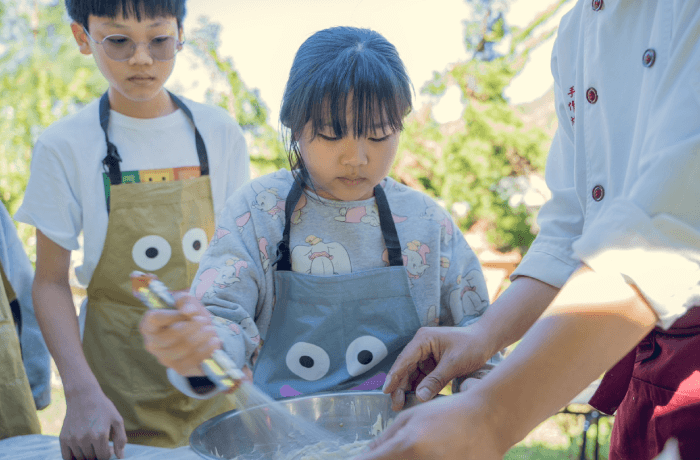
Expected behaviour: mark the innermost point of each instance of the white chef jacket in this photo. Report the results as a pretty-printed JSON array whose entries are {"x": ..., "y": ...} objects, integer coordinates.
[{"x": 624, "y": 165}]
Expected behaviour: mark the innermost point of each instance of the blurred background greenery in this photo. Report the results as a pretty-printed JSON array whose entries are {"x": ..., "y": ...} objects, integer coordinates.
[
  {"x": 486, "y": 167},
  {"x": 480, "y": 166}
]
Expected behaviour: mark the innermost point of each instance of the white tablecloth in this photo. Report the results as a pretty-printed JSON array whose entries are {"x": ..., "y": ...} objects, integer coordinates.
[{"x": 40, "y": 447}]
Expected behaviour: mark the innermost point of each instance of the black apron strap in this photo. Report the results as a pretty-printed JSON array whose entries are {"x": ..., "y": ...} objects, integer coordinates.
[
  {"x": 17, "y": 318},
  {"x": 386, "y": 222},
  {"x": 111, "y": 161},
  {"x": 13, "y": 301},
  {"x": 284, "y": 256},
  {"x": 201, "y": 148}
]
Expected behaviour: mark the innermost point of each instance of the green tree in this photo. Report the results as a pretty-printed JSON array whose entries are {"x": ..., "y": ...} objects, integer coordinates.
[
  {"x": 43, "y": 78},
  {"x": 267, "y": 152},
  {"x": 479, "y": 159}
]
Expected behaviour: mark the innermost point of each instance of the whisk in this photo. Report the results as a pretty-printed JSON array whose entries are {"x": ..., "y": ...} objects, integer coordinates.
[
  {"x": 268, "y": 424},
  {"x": 156, "y": 295}
]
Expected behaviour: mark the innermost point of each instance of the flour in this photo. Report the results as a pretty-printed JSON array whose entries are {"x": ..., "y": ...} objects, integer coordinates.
[{"x": 326, "y": 450}]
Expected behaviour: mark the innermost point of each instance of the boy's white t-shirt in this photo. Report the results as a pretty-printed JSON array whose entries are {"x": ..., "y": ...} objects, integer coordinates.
[{"x": 65, "y": 194}]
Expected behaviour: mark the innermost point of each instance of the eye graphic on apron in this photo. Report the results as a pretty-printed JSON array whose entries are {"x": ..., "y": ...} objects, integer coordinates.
[
  {"x": 364, "y": 353},
  {"x": 151, "y": 252},
  {"x": 308, "y": 361},
  {"x": 194, "y": 243}
]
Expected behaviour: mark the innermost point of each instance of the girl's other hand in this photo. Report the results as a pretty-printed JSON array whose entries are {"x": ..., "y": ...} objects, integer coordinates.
[{"x": 180, "y": 339}]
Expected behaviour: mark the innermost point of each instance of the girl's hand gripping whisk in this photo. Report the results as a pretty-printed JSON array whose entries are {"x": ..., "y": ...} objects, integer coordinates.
[{"x": 182, "y": 338}]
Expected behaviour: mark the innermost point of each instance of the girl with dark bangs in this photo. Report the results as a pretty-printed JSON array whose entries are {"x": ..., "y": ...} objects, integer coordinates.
[{"x": 317, "y": 277}]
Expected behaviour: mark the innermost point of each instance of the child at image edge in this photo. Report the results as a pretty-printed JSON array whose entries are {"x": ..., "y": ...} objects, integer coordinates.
[
  {"x": 317, "y": 278},
  {"x": 141, "y": 173}
]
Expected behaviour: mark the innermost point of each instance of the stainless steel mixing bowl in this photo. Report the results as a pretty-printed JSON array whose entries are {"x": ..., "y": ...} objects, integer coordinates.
[{"x": 349, "y": 415}]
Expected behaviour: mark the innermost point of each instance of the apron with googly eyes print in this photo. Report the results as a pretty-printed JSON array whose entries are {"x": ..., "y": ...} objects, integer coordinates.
[
  {"x": 162, "y": 227},
  {"x": 340, "y": 332}
]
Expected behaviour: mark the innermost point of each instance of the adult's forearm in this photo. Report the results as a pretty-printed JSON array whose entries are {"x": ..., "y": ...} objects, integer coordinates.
[
  {"x": 55, "y": 313},
  {"x": 591, "y": 324},
  {"x": 515, "y": 311}
]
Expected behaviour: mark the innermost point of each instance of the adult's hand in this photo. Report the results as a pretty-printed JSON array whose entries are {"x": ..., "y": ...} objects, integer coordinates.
[
  {"x": 91, "y": 420},
  {"x": 433, "y": 358},
  {"x": 180, "y": 339},
  {"x": 449, "y": 428}
]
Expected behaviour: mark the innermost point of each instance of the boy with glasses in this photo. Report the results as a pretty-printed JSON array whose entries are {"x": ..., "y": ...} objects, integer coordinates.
[{"x": 132, "y": 172}]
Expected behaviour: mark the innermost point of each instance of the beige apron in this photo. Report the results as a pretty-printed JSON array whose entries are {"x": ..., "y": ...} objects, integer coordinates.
[
  {"x": 17, "y": 409},
  {"x": 161, "y": 228}
]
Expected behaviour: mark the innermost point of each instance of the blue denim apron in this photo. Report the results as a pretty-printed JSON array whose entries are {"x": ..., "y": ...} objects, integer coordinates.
[{"x": 336, "y": 332}]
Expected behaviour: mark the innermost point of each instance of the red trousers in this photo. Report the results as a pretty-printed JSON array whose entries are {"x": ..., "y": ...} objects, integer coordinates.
[{"x": 656, "y": 391}]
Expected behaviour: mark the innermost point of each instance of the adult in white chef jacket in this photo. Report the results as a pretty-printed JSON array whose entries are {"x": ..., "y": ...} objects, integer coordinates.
[{"x": 615, "y": 267}]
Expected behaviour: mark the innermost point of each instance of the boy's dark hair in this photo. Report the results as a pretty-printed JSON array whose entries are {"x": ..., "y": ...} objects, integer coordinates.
[
  {"x": 329, "y": 66},
  {"x": 79, "y": 10}
]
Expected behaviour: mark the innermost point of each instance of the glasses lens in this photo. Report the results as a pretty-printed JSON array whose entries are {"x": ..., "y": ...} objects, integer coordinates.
[
  {"x": 163, "y": 47},
  {"x": 119, "y": 47},
  {"x": 122, "y": 48}
]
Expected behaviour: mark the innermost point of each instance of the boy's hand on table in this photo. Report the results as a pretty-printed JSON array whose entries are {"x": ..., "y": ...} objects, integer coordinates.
[
  {"x": 434, "y": 357},
  {"x": 91, "y": 419},
  {"x": 180, "y": 339}
]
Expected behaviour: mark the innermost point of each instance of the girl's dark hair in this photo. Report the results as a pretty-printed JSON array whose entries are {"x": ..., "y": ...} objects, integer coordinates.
[
  {"x": 79, "y": 10},
  {"x": 328, "y": 67}
]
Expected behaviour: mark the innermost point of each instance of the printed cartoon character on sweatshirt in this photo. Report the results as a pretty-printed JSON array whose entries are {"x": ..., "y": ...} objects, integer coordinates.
[
  {"x": 320, "y": 258},
  {"x": 471, "y": 299},
  {"x": 242, "y": 220},
  {"x": 213, "y": 279},
  {"x": 219, "y": 233},
  {"x": 397, "y": 186},
  {"x": 231, "y": 325},
  {"x": 414, "y": 258},
  {"x": 264, "y": 255},
  {"x": 359, "y": 214},
  {"x": 436, "y": 213},
  {"x": 432, "y": 318},
  {"x": 269, "y": 201},
  {"x": 444, "y": 268},
  {"x": 251, "y": 329},
  {"x": 364, "y": 214}
]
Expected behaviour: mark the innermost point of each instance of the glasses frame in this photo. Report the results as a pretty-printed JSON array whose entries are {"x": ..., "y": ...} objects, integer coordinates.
[{"x": 178, "y": 46}]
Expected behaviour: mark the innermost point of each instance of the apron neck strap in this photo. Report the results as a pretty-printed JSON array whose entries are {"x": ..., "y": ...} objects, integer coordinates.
[
  {"x": 112, "y": 160},
  {"x": 201, "y": 148},
  {"x": 386, "y": 223}
]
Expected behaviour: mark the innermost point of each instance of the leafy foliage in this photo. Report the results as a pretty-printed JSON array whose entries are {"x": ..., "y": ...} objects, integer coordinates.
[
  {"x": 43, "y": 78},
  {"x": 477, "y": 162},
  {"x": 466, "y": 161},
  {"x": 267, "y": 152}
]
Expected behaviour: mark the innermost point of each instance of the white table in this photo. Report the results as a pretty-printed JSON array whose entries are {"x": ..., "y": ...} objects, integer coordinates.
[{"x": 40, "y": 447}]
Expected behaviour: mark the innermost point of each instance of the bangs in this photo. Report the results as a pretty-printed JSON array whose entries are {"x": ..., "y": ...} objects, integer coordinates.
[
  {"x": 371, "y": 111},
  {"x": 346, "y": 79},
  {"x": 136, "y": 8},
  {"x": 79, "y": 10},
  {"x": 341, "y": 66},
  {"x": 376, "y": 98}
]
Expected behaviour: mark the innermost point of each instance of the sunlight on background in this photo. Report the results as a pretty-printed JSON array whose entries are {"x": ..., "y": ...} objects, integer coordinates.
[{"x": 261, "y": 36}]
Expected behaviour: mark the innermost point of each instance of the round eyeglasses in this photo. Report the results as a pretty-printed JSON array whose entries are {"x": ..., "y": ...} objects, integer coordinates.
[{"x": 122, "y": 48}]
